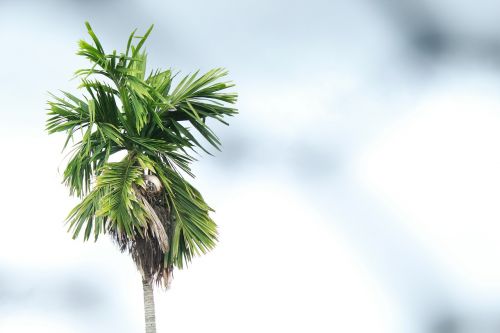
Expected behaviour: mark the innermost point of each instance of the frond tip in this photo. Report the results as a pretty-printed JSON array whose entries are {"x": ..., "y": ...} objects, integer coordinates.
[{"x": 144, "y": 200}]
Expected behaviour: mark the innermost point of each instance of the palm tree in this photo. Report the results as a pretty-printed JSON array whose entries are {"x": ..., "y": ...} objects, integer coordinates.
[{"x": 132, "y": 138}]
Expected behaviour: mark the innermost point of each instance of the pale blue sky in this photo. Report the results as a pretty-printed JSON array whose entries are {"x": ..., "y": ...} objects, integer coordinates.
[{"x": 357, "y": 191}]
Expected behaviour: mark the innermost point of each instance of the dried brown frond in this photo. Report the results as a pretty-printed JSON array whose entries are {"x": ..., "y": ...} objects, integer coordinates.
[{"x": 149, "y": 248}]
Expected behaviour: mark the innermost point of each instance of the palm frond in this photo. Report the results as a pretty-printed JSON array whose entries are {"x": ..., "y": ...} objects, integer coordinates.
[
  {"x": 195, "y": 232},
  {"x": 158, "y": 123},
  {"x": 84, "y": 215},
  {"x": 119, "y": 202},
  {"x": 197, "y": 98}
]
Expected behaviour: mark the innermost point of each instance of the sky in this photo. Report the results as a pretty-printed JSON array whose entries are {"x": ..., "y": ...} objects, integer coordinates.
[{"x": 356, "y": 191}]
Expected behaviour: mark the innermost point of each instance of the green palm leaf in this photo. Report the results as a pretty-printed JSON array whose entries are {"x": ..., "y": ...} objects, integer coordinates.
[{"x": 153, "y": 120}]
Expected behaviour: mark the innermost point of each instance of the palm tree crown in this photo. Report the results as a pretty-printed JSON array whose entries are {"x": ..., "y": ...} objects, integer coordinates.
[{"x": 142, "y": 200}]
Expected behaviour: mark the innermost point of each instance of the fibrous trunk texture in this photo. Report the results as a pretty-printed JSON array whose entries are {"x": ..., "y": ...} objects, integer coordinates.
[
  {"x": 149, "y": 250},
  {"x": 149, "y": 306}
]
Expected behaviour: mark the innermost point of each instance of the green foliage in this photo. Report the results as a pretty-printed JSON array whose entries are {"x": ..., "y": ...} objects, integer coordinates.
[{"x": 152, "y": 121}]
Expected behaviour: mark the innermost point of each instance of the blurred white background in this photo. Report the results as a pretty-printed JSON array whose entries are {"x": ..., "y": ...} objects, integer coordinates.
[{"x": 357, "y": 191}]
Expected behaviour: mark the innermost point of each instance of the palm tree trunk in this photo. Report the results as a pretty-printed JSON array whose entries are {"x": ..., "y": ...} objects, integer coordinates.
[{"x": 149, "y": 305}]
